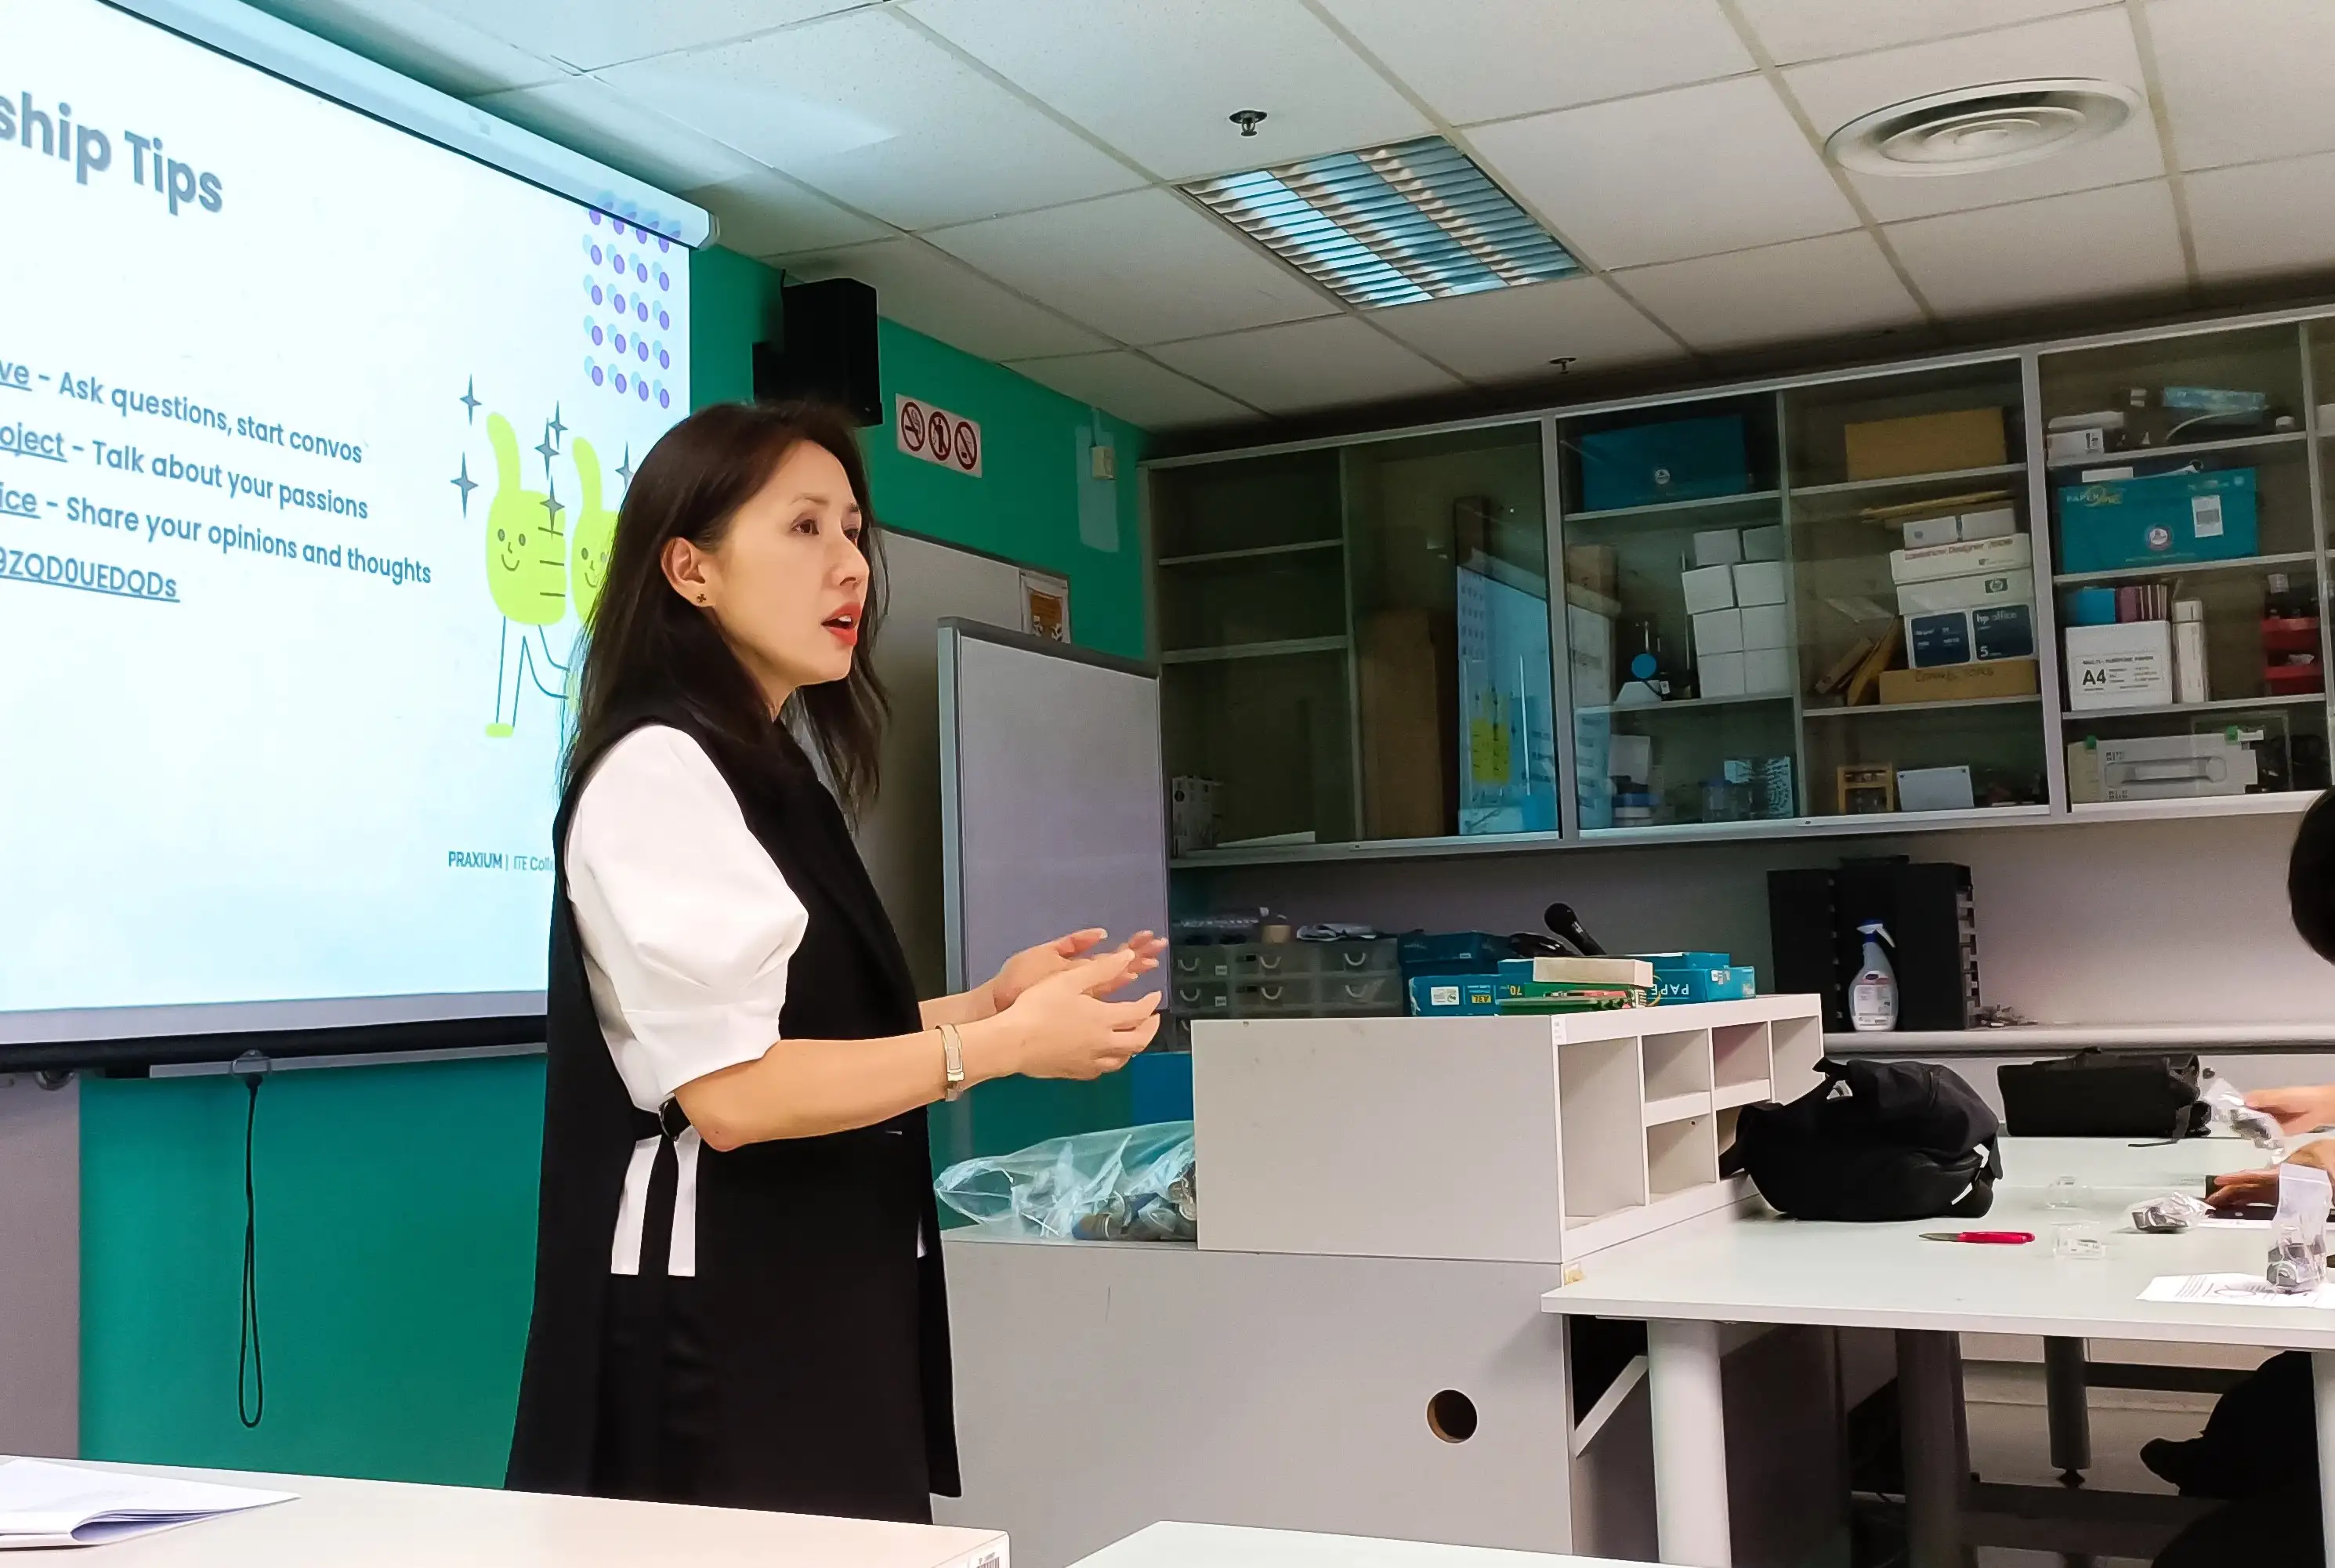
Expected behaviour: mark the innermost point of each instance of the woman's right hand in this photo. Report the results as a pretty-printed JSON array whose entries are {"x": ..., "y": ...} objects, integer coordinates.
[
  {"x": 2297, "y": 1110},
  {"x": 1063, "y": 1027}
]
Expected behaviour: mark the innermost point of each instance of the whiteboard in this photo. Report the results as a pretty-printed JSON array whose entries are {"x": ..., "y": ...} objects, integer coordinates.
[
  {"x": 925, "y": 583},
  {"x": 1053, "y": 810}
]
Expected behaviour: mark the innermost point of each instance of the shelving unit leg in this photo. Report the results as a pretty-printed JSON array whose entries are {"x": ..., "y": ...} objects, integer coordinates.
[
  {"x": 1936, "y": 1447},
  {"x": 2323, "y": 1381},
  {"x": 1690, "y": 1419}
]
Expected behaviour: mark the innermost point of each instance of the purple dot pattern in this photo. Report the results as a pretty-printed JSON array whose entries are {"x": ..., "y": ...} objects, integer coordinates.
[{"x": 618, "y": 338}]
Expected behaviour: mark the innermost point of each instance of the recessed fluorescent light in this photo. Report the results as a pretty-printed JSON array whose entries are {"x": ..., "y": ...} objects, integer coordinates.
[{"x": 1394, "y": 225}]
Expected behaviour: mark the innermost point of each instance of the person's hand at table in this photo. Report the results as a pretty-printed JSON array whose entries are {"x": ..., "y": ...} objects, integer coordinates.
[
  {"x": 2238, "y": 1188},
  {"x": 2298, "y": 1108},
  {"x": 1032, "y": 964},
  {"x": 1060, "y": 1026}
]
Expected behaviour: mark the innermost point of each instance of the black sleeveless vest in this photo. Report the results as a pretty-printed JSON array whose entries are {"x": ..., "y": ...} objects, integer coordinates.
[{"x": 827, "y": 1334}]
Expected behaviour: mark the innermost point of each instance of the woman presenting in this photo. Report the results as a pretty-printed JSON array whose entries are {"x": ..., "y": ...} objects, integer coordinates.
[{"x": 738, "y": 1294}]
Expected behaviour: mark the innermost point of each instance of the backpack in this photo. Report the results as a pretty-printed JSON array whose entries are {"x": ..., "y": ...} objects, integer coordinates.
[
  {"x": 2104, "y": 1094},
  {"x": 1877, "y": 1140}
]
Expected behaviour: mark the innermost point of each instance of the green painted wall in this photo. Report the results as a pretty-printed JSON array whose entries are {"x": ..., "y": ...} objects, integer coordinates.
[{"x": 397, "y": 1203}]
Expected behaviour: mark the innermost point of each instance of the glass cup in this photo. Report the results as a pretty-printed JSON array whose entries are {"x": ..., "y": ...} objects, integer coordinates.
[
  {"x": 2078, "y": 1239},
  {"x": 2066, "y": 1193}
]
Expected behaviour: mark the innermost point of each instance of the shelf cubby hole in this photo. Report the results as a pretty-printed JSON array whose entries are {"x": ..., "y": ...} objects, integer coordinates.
[
  {"x": 1600, "y": 1108},
  {"x": 1681, "y": 1154},
  {"x": 1740, "y": 1055}
]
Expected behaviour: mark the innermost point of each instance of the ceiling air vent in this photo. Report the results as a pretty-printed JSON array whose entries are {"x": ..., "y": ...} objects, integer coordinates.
[
  {"x": 1390, "y": 225},
  {"x": 1972, "y": 130}
]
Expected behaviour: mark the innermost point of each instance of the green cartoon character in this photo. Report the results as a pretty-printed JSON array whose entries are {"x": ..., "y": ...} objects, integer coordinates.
[
  {"x": 592, "y": 535},
  {"x": 526, "y": 568}
]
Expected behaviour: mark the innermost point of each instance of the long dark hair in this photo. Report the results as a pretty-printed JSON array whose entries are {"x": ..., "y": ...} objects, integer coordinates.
[{"x": 645, "y": 644}]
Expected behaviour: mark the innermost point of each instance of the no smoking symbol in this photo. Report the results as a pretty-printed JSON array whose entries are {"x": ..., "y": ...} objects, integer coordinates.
[{"x": 912, "y": 426}]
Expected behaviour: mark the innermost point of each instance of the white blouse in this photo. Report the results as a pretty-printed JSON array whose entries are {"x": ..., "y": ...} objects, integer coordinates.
[{"x": 688, "y": 928}]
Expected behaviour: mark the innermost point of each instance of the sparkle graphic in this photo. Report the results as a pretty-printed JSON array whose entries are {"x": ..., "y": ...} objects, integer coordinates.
[
  {"x": 558, "y": 429},
  {"x": 469, "y": 402},
  {"x": 547, "y": 448},
  {"x": 625, "y": 469},
  {"x": 463, "y": 482},
  {"x": 551, "y": 504}
]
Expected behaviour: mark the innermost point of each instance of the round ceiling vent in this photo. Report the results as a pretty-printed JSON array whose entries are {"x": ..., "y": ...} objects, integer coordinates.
[{"x": 1974, "y": 129}]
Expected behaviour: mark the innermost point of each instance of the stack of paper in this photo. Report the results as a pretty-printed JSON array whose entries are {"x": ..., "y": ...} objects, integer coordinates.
[{"x": 45, "y": 1505}]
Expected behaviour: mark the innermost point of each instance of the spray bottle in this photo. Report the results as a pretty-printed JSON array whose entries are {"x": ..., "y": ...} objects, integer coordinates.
[{"x": 1872, "y": 994}]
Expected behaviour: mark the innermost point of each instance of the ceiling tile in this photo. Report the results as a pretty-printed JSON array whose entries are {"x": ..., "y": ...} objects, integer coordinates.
[
  {"x": 1838, "y": 285},
  {"x": 1513, "y": 334},
  {"x": 1493, "y": 59},
  {"x": 589, "y": 34},
  {"x": 919, "y": 288},
  {"x": 2262, "y": 218},
  {"x": 865, "y": 108},
  {"x": 595, "y": 119},
  {"x": 2093, "y": 245},
  {"x": 1718, "y": 167},
  {"x": 437, "y": 51},
  {"x": 1135, "y": 389},
  {"x": 766, "y": 214},
  {"x": 2245, "y": 80},
  {"x": 1157, "y": 79},
  {"x": 2097, "y": 44},
  {"x": 1144, "y": 267},
  {"x": 1311, "y": 364},
  {"x": 1795, "y": 30}
]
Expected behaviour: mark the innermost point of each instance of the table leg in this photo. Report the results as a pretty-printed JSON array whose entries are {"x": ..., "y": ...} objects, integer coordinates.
[
  {"x": 1691, "y": 1524},
  {"x": 2323, "y": 1380},
  {"x": 2067, "y": 1410},
  {"x": 1936, "y": 1447}
]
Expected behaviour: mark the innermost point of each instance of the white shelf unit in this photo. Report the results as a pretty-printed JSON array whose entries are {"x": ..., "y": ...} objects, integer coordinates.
[{"x": 1517, "y": 1139}]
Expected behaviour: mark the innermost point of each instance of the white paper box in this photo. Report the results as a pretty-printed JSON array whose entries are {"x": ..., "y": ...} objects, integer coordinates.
[
  {"x": 1767, "y": 627},
  {"x": 2159, "y": 768},
  {"x": 1963, "y": 558},
  {"x": 1766, "y": 672},
  {"x": 1926, "y": 533},
  {"x": 2074, "y": 446},
  {"x": 1717, "y": 547},
  {"x": 1721, "y": 675},
  {"x": 1765, "y": 543},
  {"x": 2129, "y": 665},
  {"x": 1972, "y": 593},
  {"x": 1718, "y": 632},
  {"x": 1759, "y": 582},
  {"x": 1994, "y": 523},
  {"x": 1708, "y": 588},
  {"x": 1936, "y": 789},
  {"x": 1630, "y": 756}
]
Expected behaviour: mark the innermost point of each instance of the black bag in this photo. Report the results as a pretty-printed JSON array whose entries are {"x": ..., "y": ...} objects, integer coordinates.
[
  {"x": 1877, "y": 1140},
  {"x": 2104, "y": 1094}
]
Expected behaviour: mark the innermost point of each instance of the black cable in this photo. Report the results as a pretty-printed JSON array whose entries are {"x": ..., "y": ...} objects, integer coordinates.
[{"x": 250, "y": 1410}]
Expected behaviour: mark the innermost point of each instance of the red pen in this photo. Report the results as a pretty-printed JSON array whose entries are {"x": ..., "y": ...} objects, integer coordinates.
[{"x": 1983, "y": 1238}]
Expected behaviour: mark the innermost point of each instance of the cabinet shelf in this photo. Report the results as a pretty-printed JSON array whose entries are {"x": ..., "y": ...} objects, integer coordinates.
[
  {"x": 1903, "y": 482},
  {"x": 2183, "y": 449},
  {"x": 1682, "y": 703},
  {"x": 1673, "y": 509},
  {"x": 2189, "y": 568},
  {"x": 1207, "y": 558},
  {"x": 2220, "y": 704},
  {"x": 1281, "y": 650},
  {"x": 1945, "y": 707}
]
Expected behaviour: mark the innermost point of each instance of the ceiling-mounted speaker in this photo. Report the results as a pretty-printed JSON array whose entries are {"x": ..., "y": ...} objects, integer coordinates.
[{"x": 827, "y": 351}]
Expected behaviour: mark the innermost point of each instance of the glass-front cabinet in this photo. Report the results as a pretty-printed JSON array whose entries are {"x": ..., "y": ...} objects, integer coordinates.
[{"x": 2081, "y": 578}]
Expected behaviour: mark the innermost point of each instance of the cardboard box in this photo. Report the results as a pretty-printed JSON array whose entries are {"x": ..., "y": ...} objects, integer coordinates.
[
  {"x": 1667, "y": 461},
  {"x": 1766, "y": 672},
  {"x": 1764, "y": 543},
  {"x": 2160, "y": 767},
  {"x": 1454, "y": 995},
  {"x": 1404, "y": 688},
  {"x": 1961, "y": 636},
  {"x": 1767, "y": 627},
  {"x": 1760, "y": 583},
  {"x": 1717, "y": 547},
  {"x": 1964, "y": 559},
  {"x": 1718, "y": 632},
  {"x": 1719, "y": 983},
  {"x": 1936, "y": 789},
  {"x": 1960, "y": 683},
  {"x": 1721, "y": 675},
  {"x": 1926, "y": 444},
  {"x": 1593, "y": 567},
  {"x": 1708, "y": 588},
  {"x": 1928, "y": 532},
  {"x": 2158, "y": 519},
  {"x": 1993, "y": 523},
  {"x": 2129, "y": 665},
  {"x": 2017, "y": 587}
]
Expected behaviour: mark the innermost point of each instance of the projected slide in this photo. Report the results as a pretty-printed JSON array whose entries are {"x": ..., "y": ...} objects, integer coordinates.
[{"x": 311, "y": 438}]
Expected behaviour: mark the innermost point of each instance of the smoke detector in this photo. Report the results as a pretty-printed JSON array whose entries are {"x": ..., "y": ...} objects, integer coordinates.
[{"x": 1972, "y": 130}]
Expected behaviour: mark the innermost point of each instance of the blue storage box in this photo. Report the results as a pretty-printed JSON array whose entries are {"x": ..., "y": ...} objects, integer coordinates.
[
  {"x": 2162, "y": 519},
  {"x": 1159, "y": 1085},
  {"x": 1451, "y": 952},
  {"x": 1672, "y": 461},
  {"x": 1662, "y": 961},
  {"x": 1723, "y": 983},
  {"x": 2089, "y": 607},
  {"x": 1453, "y": 996}
]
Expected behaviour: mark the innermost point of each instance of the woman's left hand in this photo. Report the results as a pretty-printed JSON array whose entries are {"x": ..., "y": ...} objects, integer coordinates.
[{"x": 1032, "y": 964}]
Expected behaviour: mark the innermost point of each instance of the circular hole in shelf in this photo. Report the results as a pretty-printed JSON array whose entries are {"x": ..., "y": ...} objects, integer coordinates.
[{"x": 1451, "y": 1416}]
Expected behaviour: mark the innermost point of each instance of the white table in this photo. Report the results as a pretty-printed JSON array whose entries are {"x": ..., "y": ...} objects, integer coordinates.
[
  {"x": 1760, "y": 1268},
  {"x": 1225, "y": 1546},
  {"x": 393, "y": 1525}
]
